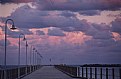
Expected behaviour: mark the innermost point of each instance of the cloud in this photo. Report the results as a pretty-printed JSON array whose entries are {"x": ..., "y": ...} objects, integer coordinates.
[
  {"x": 15, "y": 1},
  {"x": 36, "y": 19},
  {"x": 72, "y": 5},
  {"x": 33, "y": 20},
  {"x": 15, "y": 34},
  {"x": 99, "y": 31},
  {"x": 100, "y": 43},
  {"x": 103, "y": 35},
  {"x": 90, "y": 12},
  {"x": 55, "y": 32},
  {"x": 67, "y": 14},
  {"x": 25, "y": 31},
  {"x": 2, "y": 42},
  {"x": 77, "y": 5},
  {"x": 38, "y": 32},
  {"x": 116, "y": 25}
]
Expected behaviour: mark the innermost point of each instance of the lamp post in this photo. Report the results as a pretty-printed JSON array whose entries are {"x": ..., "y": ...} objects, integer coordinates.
[
  {"x": 5, "y": 58},
  {"x": 36, "y": 57},
  {"x": 33, "y": 57},
  {"x": 40, "y": 57},
  {"x": 21, "y": 34},
  {"x": 31, "y": 50},
  {"x": 26, "y": 56}
]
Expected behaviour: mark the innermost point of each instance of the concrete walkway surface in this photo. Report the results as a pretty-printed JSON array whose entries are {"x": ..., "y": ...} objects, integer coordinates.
[{"x": 47, "y": 72}]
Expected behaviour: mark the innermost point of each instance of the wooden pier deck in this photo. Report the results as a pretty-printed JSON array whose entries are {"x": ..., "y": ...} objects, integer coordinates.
[{"x": 48, "y": 72}]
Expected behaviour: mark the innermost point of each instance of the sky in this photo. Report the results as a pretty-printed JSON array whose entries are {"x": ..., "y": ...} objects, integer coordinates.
[{"x": 66, "y": 31}]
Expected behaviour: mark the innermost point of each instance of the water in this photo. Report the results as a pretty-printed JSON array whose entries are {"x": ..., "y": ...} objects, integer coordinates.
[{"x": 116, "y": 72}]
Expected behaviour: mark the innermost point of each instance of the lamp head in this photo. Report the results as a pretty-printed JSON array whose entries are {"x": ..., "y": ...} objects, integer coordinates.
[
  {"x": 27, "y": 45},
  {"x": 24, "y": 38},
  {"x": 13, "y": 27},
  {"x": 33, "y": 48}
]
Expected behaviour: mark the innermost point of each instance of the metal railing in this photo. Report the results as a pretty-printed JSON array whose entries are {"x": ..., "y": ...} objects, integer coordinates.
[
  {"x": 87, "y": 72},
  {"x": 12, "y": 73},
  {"x": 72, "y": 71}
]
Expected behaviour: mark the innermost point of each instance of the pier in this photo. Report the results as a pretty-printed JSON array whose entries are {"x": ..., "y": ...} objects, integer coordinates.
[
  {"x": 63, "y": 72},
  {"x": 48, "y": 72}
]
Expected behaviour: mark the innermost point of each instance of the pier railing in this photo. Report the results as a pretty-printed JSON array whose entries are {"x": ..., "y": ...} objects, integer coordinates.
[
  {"x": 91, "y": 72},
  {"x": 12, "y": 73}
]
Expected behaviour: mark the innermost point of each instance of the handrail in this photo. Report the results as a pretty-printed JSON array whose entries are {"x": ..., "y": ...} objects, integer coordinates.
[
  {"x": 12, "y": 73},
  {"x": 91, "y": 72}
]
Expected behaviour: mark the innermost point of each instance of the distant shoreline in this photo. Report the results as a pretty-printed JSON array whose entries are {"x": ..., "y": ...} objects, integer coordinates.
[{"x": 101, "y": 65}]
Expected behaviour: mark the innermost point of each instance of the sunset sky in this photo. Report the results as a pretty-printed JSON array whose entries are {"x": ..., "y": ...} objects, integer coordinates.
[{"x": 67, "y": 31}]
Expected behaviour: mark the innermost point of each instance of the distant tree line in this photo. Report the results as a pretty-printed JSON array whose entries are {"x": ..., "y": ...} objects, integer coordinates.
[{"x": 101, "y": 65}]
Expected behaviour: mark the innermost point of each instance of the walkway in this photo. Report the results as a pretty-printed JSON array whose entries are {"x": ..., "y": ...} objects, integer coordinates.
[{"x": 47, "y": 72}]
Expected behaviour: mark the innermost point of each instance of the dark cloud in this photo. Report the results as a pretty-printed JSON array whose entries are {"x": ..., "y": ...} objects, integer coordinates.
[
  {"x": 26, "y": 17},
  {"x": 55, "y": 32},
  {"x": 103, "y": 35},
  {"x": 2, "y": 42},
  {"x": 99, "y": 31},
  {"x": 15, "y": 34},
  {"x": 116, "y": 47},
  {"x": 75, "y": 5},
  {"x": 15, "y": 1},
  {"x": 101, "y": 43},
  {"x": 36, "y": 20},
  {"x": 116, "y": 25},
  {"x": 38, "y": 32},
  {"x": 67, "y": 14},
  {"x": 78, "y": 5},
  {"x": 101, "y": 27},
  {"x": 25, "y": 31},
  {"x": 90, "y": 12}
]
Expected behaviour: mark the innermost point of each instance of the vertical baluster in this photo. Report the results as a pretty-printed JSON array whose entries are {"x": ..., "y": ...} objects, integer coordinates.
[
  {"x": 82, "y": 72},
  {"x": 101, "y": 73},
  {"x": 86, "y": 72},
  {"x": 90, "y": 73},
  {"x": 95, "y": 73},
  {"x": 113, "y": 74},
  {"x": 78, "y": 71},
  {"x": 120, "y": 73},
  {"x": 106, "y": 73}
]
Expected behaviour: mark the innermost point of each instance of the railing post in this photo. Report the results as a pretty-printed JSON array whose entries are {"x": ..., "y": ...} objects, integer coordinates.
[
  {"x": 120, "y": 72},
  {"x": 95, "y": 73},
  {"x": 78, "y": 72},
  {"x": 106, "y": 73},
  {"x": 82, "y": 72},
  {"x": 1, "y": 74},
  {"x": 101, "y": 73},
  {"x": 113, "y": 74},
  {"x": 86, "y": 72},
  {"x": 90, "y": 73}
]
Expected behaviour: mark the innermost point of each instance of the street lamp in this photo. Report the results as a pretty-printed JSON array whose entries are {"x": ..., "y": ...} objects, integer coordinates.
[
  {"x": 26, "y": 56},
  {"x": 40, "y": 57},
  {"x": 36, "y": 57},
  {"x": 31, "y": 50},
  {"x": 13, "y": 28},
  {"x": 33, "y": 57},
  {"x": 21, "y": 34}
]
